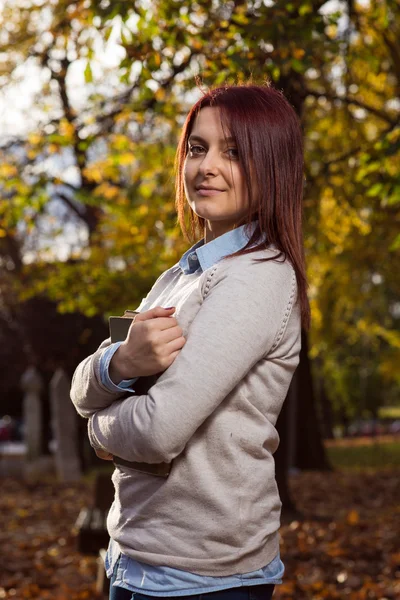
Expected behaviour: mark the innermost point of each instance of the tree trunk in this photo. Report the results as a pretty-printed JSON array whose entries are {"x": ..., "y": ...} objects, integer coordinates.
[
  {"x": 283, "y": 455},
  {"x": 326, "y": 413},
  {"x": 310, "y": 451},
  {"x": 300, "y": 438}
]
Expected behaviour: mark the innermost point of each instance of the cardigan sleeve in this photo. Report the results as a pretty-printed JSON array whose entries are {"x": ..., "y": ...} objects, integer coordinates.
[
  {"x": 89, "y": 389},
  {"x": 241, "y": 319},
  {"x": 87, "y": 386}
]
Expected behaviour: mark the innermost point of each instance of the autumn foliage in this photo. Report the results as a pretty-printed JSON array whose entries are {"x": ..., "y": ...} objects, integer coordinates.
[{"x": 115, "y": 81}]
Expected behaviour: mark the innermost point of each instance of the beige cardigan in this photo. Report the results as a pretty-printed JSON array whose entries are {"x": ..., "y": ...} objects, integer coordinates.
[{"x": 212, "y": 412}]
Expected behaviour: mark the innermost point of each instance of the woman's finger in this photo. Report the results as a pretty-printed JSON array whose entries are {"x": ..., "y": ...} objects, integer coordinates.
[{"x": 104, "y": 455}]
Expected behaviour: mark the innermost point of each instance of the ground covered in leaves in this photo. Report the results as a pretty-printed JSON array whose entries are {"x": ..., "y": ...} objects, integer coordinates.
[
  {"x": 345, "y": 546},
  {"x": 348, "y": 543}
]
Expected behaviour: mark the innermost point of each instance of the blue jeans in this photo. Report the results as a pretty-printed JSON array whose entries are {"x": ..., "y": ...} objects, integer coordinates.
[{"x": 250, "y": 592}]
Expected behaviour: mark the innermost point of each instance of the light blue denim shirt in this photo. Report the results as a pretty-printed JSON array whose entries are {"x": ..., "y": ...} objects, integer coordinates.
[{"x": 161, "y": 580}]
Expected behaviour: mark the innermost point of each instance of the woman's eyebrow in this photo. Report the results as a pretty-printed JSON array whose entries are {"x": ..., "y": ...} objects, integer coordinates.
[{"x": 198, "y": 138}]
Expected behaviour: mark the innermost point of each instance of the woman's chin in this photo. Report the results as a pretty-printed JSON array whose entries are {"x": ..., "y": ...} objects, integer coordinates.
[
  {"x": 217, "y": 219},
  {"x": 210, "y": 213}
]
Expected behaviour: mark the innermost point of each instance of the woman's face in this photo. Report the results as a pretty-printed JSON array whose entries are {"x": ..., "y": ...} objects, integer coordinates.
[{"x": 213, "y": 178}]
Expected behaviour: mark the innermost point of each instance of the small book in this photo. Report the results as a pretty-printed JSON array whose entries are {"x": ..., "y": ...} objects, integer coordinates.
[{"x": 119, "y": 327}]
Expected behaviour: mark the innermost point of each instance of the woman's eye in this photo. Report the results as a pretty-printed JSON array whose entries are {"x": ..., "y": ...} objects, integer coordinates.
[
  {"x": 233, "y": 153},
  {"x": 195, "y": 150}
]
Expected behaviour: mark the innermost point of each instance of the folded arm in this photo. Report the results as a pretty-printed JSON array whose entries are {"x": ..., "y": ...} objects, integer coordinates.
[
  {"x": 92, "y": 388},
  {"x": 242, "y": 317}
]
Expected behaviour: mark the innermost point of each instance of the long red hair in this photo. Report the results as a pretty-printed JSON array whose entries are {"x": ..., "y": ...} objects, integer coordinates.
[{"x": 269, "y": 140}]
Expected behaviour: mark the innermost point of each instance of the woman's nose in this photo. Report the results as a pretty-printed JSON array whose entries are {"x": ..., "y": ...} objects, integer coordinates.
[{"x": 210, "y": 163}]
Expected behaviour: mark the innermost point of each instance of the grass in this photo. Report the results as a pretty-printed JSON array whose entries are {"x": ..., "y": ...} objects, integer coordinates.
[
  {"x": 389, "y": 412},
  {"x": 369, "y": 456}
]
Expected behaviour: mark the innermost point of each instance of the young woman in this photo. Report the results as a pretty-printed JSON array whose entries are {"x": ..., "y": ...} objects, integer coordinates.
[{"x": 197, "y": 510}]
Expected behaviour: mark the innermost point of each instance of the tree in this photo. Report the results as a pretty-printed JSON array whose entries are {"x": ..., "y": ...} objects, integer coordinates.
[
  {"x": 117, "y": 150},
  {"x": 353, "y": 212}
]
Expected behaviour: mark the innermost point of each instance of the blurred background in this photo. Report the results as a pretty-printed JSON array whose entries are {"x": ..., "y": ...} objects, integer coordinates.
[{"x": 92, "y": 98}]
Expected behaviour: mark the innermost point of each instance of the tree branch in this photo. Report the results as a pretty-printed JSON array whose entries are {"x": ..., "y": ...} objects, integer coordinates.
[
  {"x": 90, "y": 216},
  {"x": 394, "y": 51},
  {"x": 375, "y": 111},
  {"x": 150, "y": 103}
]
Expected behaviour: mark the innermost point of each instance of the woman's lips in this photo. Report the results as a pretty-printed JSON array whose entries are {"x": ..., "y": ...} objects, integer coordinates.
[{"x": 208, "y": 192}]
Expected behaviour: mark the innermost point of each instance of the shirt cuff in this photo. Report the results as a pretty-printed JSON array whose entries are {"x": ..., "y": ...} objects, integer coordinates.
[{"x": 105, "y": 359}]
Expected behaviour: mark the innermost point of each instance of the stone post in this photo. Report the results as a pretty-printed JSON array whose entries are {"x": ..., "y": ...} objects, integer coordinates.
[
  {"x": 65, "y": 430},
  {"x": 31, "y": 383}
]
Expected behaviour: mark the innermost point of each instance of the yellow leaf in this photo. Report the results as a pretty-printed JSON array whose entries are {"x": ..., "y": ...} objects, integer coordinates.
[
  {"x": 298, "y": 53},
  {"x": 94, "y": 174},
  {"x": 110, "y": 191},
  {"x": 120, "y": 142},
  {"x": 31, "y": 154},
  {"x": 143, "y": 210},
  {"x": 66, "y": 129},
  {"x": 126, "y": 159},
  {"x": 8, "y": 170},
  {"x": 34, "y": 139},
  {"x": 196, "y": 44},
  {"x": 353, "y": 517},
  {"x": 160, "y": 94},
  {"x": 331, "y": 31}
]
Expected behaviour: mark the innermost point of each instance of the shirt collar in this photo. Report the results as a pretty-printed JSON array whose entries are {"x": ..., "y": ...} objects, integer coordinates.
[{"x": 203, "y": 255}]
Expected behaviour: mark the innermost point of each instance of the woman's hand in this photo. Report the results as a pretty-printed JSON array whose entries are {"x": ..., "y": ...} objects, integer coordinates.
[
  {"x": 153, "y": 342},
  {"x": 104, "y": 455}
]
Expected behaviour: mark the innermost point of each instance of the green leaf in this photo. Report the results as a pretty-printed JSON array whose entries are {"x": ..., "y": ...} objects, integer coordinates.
[
  {"x": 375, "y": 190},
  {"x": 297, "y": 65},
  {"x": 396, "y": 244},
  {"x": 88, "y": 73},
  {"x": 305, "y": 9},
  {"x": 124, "y": 39},
  {"x": 394, "y": 198}
]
